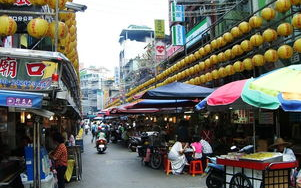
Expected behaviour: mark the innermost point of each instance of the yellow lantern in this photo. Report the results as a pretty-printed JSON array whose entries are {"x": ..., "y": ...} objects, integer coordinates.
[
  {"x": 230, "y": 70},
  {"x": 214, "y": 74},
  {"x": 296, "y": 21},
  {"x": 228, "y": 37},
  {"x": 196, "y": 68},
  {"x": 246, "y": 45},
  {"x": 72, "y": 30},
  {"x": 297, "y": 45},
  {"x": 228, "y": 54},
  {"x": 8, "y": 1},
  {"x": 187, "y": 73},
  {"x": 295, "y": 2},
  {"x": 191, "y": 58},
  {"x": 197, "y": 55},
  {"x": 285, "y": 51},
  {"x": 256, "y": 40},
  {"x": 221, "y": 72},
  {"x": 214, "y": 44},
  {"x": 191, "y": 70},
  {"x": 235, "y": 32},
  {"x": 203, "y": 78},
  {"x": 269, "y": 35},
  {"x": 220, "y": 41},
  {"x": 244, "y": 27},
  {"x": 221, "y": 57},
  {"x": 258, "y": 60},
  {"x": 255, "y": 21},
  {"x": 182, "y": 63},
  {"x": 186, "y": 59},
  {"x": 237, "y": 50},
  {"x": 285, "y": 29},
  {"x": 202, "y": 51},
  {"x": 202, "y": 65},
  {"x": 62, "y": 30},
  {"x": 64, "y": 16},
  {"x": 8, "y": 26},
  {"x": 238, "y": 66},
  {"x": 271, "y": 56},
  {"x": 37, "y": 27},
  {"x": 52, "y": 4},
  {"x": 39, "y": 2},
  {"x": 268, "y": 14},
  {"x": 208, "y": 76},
  {"x": 213, "y": 59},
  {"x": 197, "y": 80},
  {"x": 207, "y": 63},
  {"x": 282, "y": 5},
  {"x": 207, "y": 48}
]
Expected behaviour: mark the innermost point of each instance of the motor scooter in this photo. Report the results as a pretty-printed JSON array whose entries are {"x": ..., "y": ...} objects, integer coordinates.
[
  {"x": 101, "y": 145},
  {"x": 134, "y": 142}
]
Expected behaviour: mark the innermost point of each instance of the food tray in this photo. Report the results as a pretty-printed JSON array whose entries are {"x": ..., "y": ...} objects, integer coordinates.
[{"x": 277, "y": 158}]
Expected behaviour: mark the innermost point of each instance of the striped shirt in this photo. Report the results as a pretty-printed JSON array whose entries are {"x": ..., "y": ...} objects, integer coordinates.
[{"x": 60, "y": 155}]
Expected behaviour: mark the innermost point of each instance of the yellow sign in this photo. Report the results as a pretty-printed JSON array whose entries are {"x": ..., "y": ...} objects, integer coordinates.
[{"x": 159, "y": 29}]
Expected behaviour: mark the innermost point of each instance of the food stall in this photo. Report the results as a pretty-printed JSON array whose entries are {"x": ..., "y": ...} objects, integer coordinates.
[{"x": 258, "y": 170}]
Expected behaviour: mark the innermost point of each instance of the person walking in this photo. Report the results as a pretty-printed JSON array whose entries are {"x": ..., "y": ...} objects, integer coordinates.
[
  {"x": 60, "y": 157},
  {"x": 94, "y": 128}
]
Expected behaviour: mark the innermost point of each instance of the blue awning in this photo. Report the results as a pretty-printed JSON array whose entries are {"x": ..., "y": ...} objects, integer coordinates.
[{"x": 20, "y": 99}]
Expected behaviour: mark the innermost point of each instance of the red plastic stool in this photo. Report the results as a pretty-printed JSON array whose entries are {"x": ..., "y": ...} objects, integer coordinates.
[
  {"x": 167, "y": 165},
  {"x": 196, "y": 167}
]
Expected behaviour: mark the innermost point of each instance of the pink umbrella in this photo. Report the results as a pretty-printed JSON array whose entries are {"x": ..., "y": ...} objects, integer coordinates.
[{"x": 227, "y": 94}]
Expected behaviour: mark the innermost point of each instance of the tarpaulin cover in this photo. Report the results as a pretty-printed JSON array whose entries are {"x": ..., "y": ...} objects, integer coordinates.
[{"x": 177, "y": 90}]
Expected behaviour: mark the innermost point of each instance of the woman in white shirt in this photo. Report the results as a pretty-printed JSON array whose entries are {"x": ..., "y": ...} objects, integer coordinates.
[{"x": 177, "y": 157}]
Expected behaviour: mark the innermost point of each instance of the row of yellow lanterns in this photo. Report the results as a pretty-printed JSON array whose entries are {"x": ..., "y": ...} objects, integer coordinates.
[
  {"x": 270, "y": 56},
  {"x": 243, "y": 28},
  {"x": 51, "y": 3},
  {"x": 114, "y": 103}
]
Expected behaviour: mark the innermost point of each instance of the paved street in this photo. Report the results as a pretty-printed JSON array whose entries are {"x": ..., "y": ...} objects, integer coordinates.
[{"x": 119, "y": 168}]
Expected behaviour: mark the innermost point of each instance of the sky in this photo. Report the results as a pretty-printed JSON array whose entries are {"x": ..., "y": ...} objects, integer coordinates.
[{"x": 98, "y": 28}]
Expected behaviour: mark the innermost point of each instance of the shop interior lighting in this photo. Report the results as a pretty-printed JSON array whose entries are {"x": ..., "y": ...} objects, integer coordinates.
[
  {"x": 165, "y": 119},
  {"x": 216, "y": 117},
  {"x": 28, "y": 116},
  {"x": 22, "y": 117},
  {"x": 51, "y": 118}
]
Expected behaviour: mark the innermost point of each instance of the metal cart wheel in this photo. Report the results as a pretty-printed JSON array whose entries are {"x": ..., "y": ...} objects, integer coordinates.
[{"x": 240, "y": 180}]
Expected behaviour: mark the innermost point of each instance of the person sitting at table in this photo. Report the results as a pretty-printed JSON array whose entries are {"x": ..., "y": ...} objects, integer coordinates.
[
  {"x": 177, "y": 157},
  {"x": 282, "y": 146},
  {"x": 197, "y": 148}
]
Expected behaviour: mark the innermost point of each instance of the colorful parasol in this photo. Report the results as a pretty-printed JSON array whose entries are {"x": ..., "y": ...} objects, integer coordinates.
[{"x": 279, "y": 86}]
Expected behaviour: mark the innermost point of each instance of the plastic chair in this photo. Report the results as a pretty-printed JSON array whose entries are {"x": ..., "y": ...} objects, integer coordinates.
[
  {"x": 167, "y": 166},
  {"x": 196, "y": 167}
]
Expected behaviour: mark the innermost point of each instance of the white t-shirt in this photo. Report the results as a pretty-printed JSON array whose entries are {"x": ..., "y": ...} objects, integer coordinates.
[
  {"x": 206, "y": 147},
  {"x": 288, "y": 155},
  {"x": 176, "y": 148}
]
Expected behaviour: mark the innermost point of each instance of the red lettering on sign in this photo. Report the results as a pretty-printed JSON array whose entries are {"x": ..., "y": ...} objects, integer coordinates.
[
  {"x": 22, "y": 2},
  {"x": 35, "y": 69},
  {"x": 8, "y": 67}
]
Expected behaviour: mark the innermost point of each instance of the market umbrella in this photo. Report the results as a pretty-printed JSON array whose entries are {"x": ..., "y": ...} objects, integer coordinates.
[
  {"x": 177, "y": 90},
  {"x": 149, "y": 103},
  {"x": 281, "y": 86},
  {"x": 225, "y": 97}
]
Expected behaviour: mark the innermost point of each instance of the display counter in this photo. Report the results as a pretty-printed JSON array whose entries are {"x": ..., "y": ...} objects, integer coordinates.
[
  {"x": 10, "y": 170},
  {"x": 256, "y": 174}
]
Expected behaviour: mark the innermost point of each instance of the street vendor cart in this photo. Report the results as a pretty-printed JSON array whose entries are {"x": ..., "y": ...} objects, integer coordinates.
[{"x": 257, "y": 173}]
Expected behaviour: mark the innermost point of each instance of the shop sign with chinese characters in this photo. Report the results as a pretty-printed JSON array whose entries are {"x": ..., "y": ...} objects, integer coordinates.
[{"x": 26, "y": 74}]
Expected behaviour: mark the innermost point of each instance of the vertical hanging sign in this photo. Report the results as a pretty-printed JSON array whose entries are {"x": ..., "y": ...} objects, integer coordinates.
[
  {"x": 159, "y": 29},
  {"x": 178, "y": 35},
  {"x": 177, "y": 12}
]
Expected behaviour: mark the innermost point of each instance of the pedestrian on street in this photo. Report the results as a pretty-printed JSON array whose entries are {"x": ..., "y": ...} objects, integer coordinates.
[
  {"x": 59, "y": 155},
  {"x": 94, "y": 128},
  {"x": 207, "y": 151}
]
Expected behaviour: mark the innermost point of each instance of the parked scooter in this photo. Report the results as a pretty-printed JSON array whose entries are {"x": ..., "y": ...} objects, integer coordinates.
[{"x": 134, "y": 142}]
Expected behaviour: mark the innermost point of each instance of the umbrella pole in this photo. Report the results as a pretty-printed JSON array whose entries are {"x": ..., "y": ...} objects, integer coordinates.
[{"x": 254, "y": 131}]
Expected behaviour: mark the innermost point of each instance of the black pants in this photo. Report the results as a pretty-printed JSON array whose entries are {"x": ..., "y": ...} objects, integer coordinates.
[{"x": 60, "y": 176}]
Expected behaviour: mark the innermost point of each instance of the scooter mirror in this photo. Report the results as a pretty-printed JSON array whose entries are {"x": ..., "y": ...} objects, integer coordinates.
[{"x": 233, "y": 148}]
